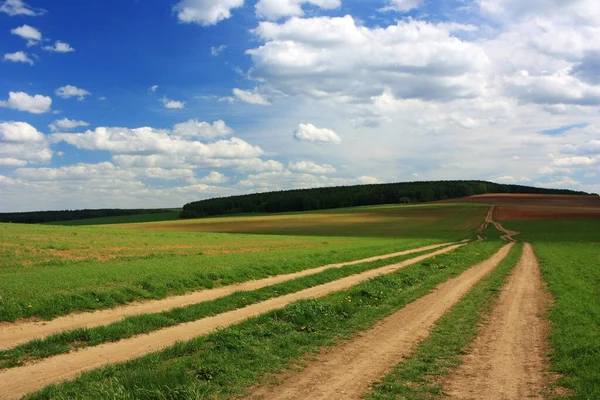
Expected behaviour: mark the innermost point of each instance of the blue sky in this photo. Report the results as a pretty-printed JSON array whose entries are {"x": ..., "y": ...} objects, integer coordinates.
[{"x": 135, "y": 103}]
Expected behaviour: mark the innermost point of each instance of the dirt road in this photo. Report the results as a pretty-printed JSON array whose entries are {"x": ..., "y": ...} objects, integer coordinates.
[
  {"x": 12, "y": 335},
  {"x": 347, "y": 371},
  {"x": 16, "y": 382},
  {"x": 507, "y": 358}
]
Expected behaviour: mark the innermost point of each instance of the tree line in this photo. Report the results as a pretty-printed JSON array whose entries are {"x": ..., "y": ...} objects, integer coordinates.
[
  {"x": 40, "y": 217},
  {"x": 352, "y": 196}
]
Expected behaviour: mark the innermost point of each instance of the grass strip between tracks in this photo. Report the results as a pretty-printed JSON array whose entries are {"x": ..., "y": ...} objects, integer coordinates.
[
  {"x": 65, "y": 342},
  {"x": 225, "y": 362},
  {"x": 418, "y": 377}
]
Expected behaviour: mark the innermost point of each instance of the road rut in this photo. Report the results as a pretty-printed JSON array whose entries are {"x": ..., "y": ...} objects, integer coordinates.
[
  {"x": 12, "y": 335},
  {"x": 347, "y": 371},
  {"x": 507, "y": 358},
  {"x": 16, "y": 382}
]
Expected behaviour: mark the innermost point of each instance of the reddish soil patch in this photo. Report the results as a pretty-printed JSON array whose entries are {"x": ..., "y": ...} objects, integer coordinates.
[{"x": 539, "y": 207}]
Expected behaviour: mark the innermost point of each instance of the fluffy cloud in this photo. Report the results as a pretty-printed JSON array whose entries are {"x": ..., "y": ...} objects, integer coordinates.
[
  {"x": 66, "y": 123},
  {"x": 205, "y": 12},
  {"x": 172, "y": 104},
  {"x": 310, "y": 133},
  {"x": 21, "y": 143},
  {"x": 204, "y": 130},
  {"x": 580, "y": 161},
  {"x": 336, "y": 58},
  {"x": 29, "y": 33},
  {"x": 19, "y": 7},
  {"x": 403, "y": 5},
  {"x": 214, "y": 178},
  {"x": 275, "y": 9},
  {"x": 250, "y": 97},
  {"x": 311, "y": 168},
  {"x": 19, "y": 56},
  {"x": 21, "y": 101},
  {"x": 68, "y": 91},
  {"x": 59, "y": 47},
  {"x": 287, "y": 180}
]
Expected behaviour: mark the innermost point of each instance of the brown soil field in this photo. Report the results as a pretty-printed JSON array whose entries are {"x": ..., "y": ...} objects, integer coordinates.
[
  {"x": 538, "y": 207},
  {"x": 508, "y": 358}
]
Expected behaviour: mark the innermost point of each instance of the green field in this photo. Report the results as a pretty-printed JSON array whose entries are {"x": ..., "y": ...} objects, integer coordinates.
[{"x": 54, "y": 270}]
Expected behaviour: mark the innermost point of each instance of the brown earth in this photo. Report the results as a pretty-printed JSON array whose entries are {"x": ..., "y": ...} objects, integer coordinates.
[
  {"x": 507, "y": 360},
  {"x": 346, "y": 371},
  {"x": 539, "y": 207},
  {"x": 17, "y": 382},
  {"x": 14, "y": 334}
]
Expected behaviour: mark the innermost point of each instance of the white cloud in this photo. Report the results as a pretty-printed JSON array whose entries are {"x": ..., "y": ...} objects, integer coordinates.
[
  {"x": 205, "y": 12},
  {"x": 29, "y": 33},
  {"x": 21, "y": 101},
  {"x": 579, "y": 161},
  {"x": 153, "y": 88},
  {"x": 215, "y": 51},
  {"x": 66, "y": 123},
  {"x": 310, "y": 133},
  {"x": 337, "y": 58},
  {"x": 19, "y": 7},
  {"x": 214, "y": 178},
  {"x": 68, "y": 91},
  {"x": 507, "y": 179},
  {"x": 59, "y": 47},
  {"x": 21, "y": 143},
  {"x": 172, "y": 104},
  {"x": 368, "y": 180},
  {"x": 286, "y": 179},
  {"x": 19, "y": 56},
  {"x": 250, "y": 97},
  {"x": 403, "y": 5},
  {"x": 275, "y": 9},
  {"x": 203, "y": 130},
  {"x": 311, "y": 168}
]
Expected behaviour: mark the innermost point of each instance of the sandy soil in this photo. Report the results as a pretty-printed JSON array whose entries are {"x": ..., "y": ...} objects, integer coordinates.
[
  {"x": 507, "y": 360},
  {"x": 16, "y": 382},
  {"x": 14, "y": 334},
  {"x": 347, "y": 371}
]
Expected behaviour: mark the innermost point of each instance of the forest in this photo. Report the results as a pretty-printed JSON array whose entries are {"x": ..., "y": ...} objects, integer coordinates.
[
  {"x": 352, "y": 196},
  {"x": 40, "y": 217}
]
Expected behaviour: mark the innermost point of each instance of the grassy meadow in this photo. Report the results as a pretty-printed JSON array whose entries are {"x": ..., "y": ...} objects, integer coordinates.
[
  {"x": 224, "y": 363},
  {"x": 48, "y": 271}
]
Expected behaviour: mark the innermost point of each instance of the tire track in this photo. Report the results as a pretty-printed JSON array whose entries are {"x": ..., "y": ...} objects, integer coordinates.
[
  {"x": 347, "y": 371},
  {"x": 12, "y": 335},
  {"x": 17, "y": 382},
  {"x": 507, "y": 358}
]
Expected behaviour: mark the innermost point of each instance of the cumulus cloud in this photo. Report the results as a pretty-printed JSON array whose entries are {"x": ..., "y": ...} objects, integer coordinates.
[
  {"x": 310, "y": 133},
  {"x": 19, "y": 56},
  {"x": 153, "y": 88},
  {"x": 205, "y": 12},
  {"x": 311, "y": 168},
  {"x": 340, "y": 59},
  {"x": 66, "y": 123},
  {"x": 21, "y": 101},
  {"x": 59, "y": 47},
  {"x": 68, "y": 91},
  {"x": 215, "y": 178},
  {"x": 250, "y": 97},
  {"x": 579, "y": 161},
  {"x": 21, "y": 143},
  {"x": 204, "y": 130},
  {"x": 403, "y": 5},
  {"x": 275, "y": 9},
  {"x": 19, "y": 7},
  {"x": 172, "y": 104},
  {"x": 29, "y": 33}
]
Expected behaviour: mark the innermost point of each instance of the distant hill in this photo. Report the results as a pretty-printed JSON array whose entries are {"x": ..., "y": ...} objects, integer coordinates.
[
  {"x": 352, "y": 196},
  {"x": 40, "y": 217}
]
